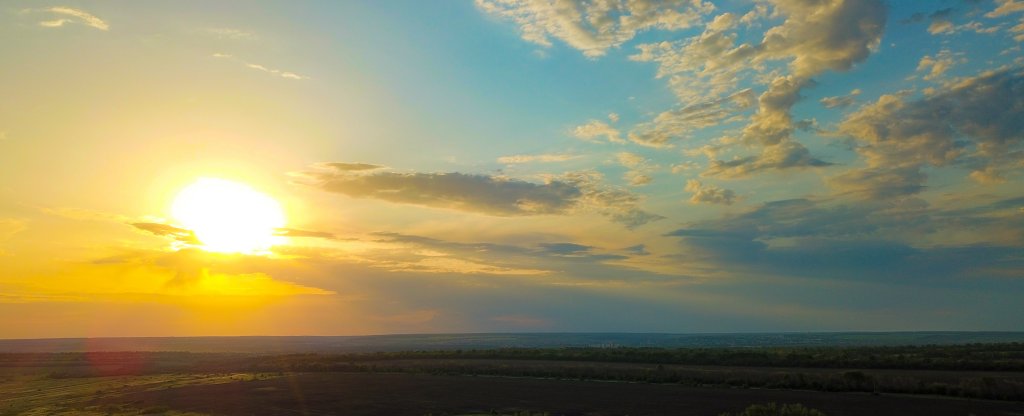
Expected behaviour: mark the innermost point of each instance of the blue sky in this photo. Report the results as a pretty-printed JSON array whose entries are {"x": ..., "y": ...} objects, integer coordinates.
[{"x": 515, "y": 165}]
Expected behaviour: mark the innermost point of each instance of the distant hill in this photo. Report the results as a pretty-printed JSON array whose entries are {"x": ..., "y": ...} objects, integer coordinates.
[{"x": 409, "y": 342}]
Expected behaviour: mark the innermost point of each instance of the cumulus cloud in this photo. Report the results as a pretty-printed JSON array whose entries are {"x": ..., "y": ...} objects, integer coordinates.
[
  {"x": 814, "y": 37},
  {"x": 709, "y": 194},
  {"x": 547, "y": 157},
  {"x": 258, "y": 67},
  {"x": 594, "y": 26},
  {"x": 66, "y": 15},
  {"x": 490, "y": 195},
  {"x": 974, "y": 122},
  {"x": 595, "y": 129},
  {"x": 841, "y": 101}
]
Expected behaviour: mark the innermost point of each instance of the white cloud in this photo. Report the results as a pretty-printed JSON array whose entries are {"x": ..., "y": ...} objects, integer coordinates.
[
  {"x": 73, "y": 16},
  {"x": 229, "y": 33},
  {"x": 258, "y": 67}
]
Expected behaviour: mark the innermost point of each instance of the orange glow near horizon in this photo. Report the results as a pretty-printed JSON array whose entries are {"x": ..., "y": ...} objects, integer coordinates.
[{"x": 229, "y": 217}]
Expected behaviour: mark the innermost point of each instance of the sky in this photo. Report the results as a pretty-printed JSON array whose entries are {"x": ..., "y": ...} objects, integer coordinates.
[{"x": 510, "y": 166}]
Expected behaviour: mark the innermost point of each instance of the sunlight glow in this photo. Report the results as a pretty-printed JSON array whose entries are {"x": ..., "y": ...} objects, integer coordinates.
[{"x": 228, "y": 217}]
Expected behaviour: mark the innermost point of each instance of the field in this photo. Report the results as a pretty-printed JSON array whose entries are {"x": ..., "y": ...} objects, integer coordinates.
[
  {"x": 421, "y": 394},
  {"x": 975, "y": 379}
]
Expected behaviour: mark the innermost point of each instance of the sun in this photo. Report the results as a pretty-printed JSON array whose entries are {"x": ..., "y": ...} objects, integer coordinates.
[{"x": 228, "y": 217}]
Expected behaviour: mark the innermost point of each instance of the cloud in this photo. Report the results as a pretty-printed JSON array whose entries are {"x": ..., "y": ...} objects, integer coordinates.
[
  {"x": 425, "y": 254},
  {"x": 639, "y": 168},
  {"x": 784, "y": 155},
  {"x": 814, "y": 37},
  {"x": 618, "y": 204},
  {"x": 935, "y": 67},
  {"x": 594, "y": 129},
  {"x": 702, "y": 66},
  {"x": 680, "y": 123},
  {"x": 880, "y": 182},
  {"x": 165, "y": 230},
  {"x": 291, "y": 232},
  {"x": 465, "y": 192},
  {"x": 1006, "y": 7},
  {"x": 186, "y": 273},
  {"x": 1019, "y": 29},
  {"x": 229, "y": 33},
  {"x": 565, "y": 249},
  {"x": 594, "y": 26},
  {"x": 709, "y": 194},
  {"x": 548, "y": 157},
  {"x": 974, "y": 122},
  {"x": 489, "y": 195},
  {"x": 351, "y": 167},
  {"x": 258, "y": 67},
  {"x": 940, "y": 22},
  {"x": 841, "y": 101},
  {"x": 864, "y": 241},
  {"x": 73, "y": 16}
]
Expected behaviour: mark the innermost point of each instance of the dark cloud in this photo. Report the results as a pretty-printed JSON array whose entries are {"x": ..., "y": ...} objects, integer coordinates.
[
  {"x": 180, "y": 234},
  {"x": 565, "y": 249},
  {"x": 784, "y": 155},
  {"x": 975, "y": 123},
  {"x": 466, "y": 192},
  {"x": 860, "y": 241},
  {"x": 491, "y": 195},
  {"x": 346, "y": 167},
  {"x": 881, "y": 183}
]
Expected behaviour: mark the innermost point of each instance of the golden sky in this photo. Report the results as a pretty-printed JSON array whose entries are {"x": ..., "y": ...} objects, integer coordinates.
[{"x": 318, "y": 168}]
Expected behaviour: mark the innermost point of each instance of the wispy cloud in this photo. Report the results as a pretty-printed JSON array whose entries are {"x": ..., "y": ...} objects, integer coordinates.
[
  {"x": 258, "y": 67},
  {"x": 546, "y": 157},
  {"x": 229, "y": 33},
  {"x": 66, "y": 15}
]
